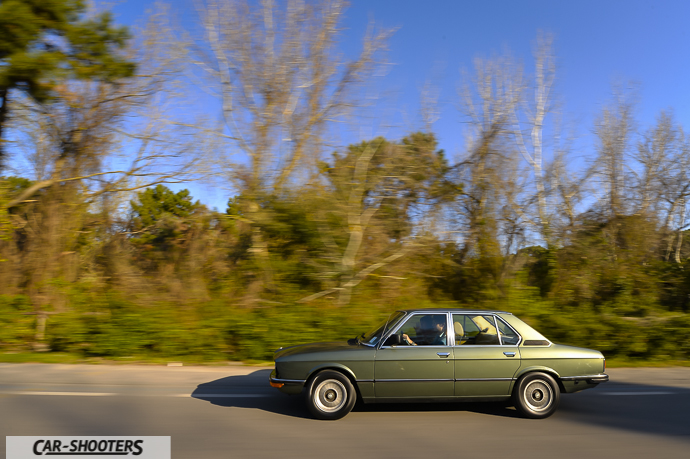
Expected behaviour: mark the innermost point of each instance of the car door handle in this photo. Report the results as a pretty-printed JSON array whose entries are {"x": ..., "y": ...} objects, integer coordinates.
[
  {"x": 443, "y": 354},
  {"x": 509, "y": 354}
]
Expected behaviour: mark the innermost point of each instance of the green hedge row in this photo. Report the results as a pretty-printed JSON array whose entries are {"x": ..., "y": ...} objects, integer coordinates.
[
  {"x": 114, "y": 328},
  {"x": 210, "y": 331}
]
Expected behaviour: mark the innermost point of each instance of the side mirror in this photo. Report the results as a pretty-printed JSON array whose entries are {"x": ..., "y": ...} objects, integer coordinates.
[{"x": 393, "y": 340}]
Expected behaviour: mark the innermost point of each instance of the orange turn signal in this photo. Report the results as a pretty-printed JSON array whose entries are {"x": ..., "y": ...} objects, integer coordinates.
[{"x": 276, "y": 384}]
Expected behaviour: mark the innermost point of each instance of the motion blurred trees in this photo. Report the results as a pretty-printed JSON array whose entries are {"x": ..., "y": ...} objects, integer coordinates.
[
  {"x": 45, "y": 42},
  {"x": 280, "y": 79},
  {"x": 85, "y": 152},
  {"x": 99, "y": 257},
  {"x": 381, "y": 194},
  {"x": 490, "y": 208},
  {"x": 156, "y": 205}
]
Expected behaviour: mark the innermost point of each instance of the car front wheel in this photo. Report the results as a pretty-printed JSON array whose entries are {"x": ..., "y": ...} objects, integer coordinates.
[
  {"x": 330, "y": 395},
  {"x": 536, "y": 395}
]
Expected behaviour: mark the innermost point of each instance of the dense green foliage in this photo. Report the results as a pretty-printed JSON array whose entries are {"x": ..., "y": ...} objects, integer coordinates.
[
  {"x": 156, "y": 213},
  {"x": 315, "y": 244},
  {"x": 194, "y": 298}
]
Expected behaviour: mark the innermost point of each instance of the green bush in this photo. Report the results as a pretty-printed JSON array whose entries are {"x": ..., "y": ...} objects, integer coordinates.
[
  {"x": 108, "y": 326},
  {"x": 119, "y": 329},
  {"x": 17, "y": 325},
  {"x": 256, "y": 333}
]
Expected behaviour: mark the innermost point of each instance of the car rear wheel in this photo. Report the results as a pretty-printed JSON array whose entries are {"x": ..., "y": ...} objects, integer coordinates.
[
  {"x": 330, "y": 395},
  {"x": 536, "y": 395}
]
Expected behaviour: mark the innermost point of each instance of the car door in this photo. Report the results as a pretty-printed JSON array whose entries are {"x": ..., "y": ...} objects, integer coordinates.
[
  {"x": 485, "y": 355},
  {"x": 420, "y": 367}
]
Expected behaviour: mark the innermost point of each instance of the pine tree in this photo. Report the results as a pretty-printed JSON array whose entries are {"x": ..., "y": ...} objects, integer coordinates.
[{"x": 44, "y": 40}]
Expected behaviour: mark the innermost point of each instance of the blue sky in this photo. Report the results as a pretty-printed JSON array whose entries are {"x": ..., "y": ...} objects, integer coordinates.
[{"x": 643, "y": 43}]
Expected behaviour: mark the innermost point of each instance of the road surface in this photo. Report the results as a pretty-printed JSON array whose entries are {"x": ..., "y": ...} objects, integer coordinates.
[{"x": 231, "y": 412}]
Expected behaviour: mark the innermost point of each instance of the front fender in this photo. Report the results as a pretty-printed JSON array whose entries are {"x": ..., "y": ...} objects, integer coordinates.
[{"x": 333, "y": 366}]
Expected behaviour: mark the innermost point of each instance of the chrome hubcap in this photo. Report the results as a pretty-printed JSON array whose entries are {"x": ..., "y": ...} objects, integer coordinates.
[
  {"x": 538, "y": 395},
  {"x": 330, "y": 396}
]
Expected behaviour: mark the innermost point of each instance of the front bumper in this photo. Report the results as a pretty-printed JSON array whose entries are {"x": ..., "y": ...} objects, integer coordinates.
[{"x": 288, "y": 386}]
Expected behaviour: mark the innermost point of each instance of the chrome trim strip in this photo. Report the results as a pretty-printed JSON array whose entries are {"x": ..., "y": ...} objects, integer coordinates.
[
  {"x": 450, "y": 337},
  {"x": 438, "y": 346},
  {"x": 288, "y": 381},
  {"x": 403, "y": 321},
  {"x": 473, "y": 346},
  {"x": 496, "y": 319},
  {"x": 387, "y": 334},
  {"x": 435, "y": 380},
  {"x": 454, "y": 311},
  {"x": 575, "y": 378},
  {"x": 411, "y": 380},
  {"x": 514, "y": 331},
  {"x": 540, "y": 346},
  {"x": 498, "y": 330}
]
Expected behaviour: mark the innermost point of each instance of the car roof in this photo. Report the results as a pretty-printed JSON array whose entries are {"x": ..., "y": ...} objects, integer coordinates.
[{"x": 455, "y": 310}]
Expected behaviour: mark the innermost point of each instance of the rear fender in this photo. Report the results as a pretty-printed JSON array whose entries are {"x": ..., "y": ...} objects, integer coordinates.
[{"x": 550, "y": 371}]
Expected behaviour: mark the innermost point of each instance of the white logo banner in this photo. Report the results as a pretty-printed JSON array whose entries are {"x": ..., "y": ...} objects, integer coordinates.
[{"x": 88, "y": 447}]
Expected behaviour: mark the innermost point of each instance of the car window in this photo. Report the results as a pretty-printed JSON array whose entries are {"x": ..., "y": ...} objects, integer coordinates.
[
  {"x": 475, "y": 330},
  {"x": 424, "y": 330},
  {"x": 394, "y": 319},
  {"x": 374, "y": 335},
  {"x": 508, "y": 335}
]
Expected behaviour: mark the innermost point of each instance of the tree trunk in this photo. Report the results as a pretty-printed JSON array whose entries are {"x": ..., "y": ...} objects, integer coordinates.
[
  {"x": 259, "y": 250},
  {"x": 680, "y": 231},
  {"x": 3, "y": 119}
]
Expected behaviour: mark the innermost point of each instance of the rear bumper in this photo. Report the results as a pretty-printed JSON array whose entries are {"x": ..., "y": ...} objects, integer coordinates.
[{"x": 589, "y": 379}]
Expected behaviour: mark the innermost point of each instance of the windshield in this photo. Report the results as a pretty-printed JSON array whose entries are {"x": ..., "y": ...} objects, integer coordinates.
[{"x": 373, "y": 336}]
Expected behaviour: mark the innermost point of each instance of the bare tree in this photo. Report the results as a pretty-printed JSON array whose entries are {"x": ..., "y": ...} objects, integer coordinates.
[
  {"x": 654, "y": 155},
  {"x": 94, "y": 140},
  {"x": 568, "y": 189},
  {"x": 614, "y": 129},
  {"x": 429, "y": 101},
  {"x": 280, "y": 79},
  {"x": 490, "y": 106},
  {"x": 674, "y": 186},
  {"x": 109, "y": 136},
  {"x": 679, "y": 231},
  {"x": 533, "y": 151}
]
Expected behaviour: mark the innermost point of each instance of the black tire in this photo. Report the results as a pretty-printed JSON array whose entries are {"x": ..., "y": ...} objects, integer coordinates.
[
  {"x": 330, "y": 395},
  {"x": 536, "y": 395}
]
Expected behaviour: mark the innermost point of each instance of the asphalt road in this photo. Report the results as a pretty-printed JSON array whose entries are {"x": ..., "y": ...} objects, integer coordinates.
[{"x": 231, "y": 412}]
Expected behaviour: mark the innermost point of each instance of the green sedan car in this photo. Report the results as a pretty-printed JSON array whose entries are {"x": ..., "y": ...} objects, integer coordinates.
[{"x": 439, "y": 355}]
